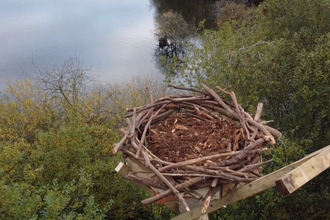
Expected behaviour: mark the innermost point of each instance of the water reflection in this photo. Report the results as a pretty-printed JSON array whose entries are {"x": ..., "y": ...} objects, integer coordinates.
[
  {"x": 193, "y": 11},
  {"x": 176, "y": 27},
  {"x": 114, "y": 38}
]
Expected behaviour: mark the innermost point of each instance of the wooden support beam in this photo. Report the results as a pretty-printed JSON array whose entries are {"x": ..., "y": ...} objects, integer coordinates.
[
  {"x": 295, "y": 179},
  {"x": 247, "y": 190},
  {"x": 124, "y": 170}
]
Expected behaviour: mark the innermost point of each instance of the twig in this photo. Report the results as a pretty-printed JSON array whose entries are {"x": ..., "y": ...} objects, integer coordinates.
[
  {"x": 218, "y": 99},
  {"x": 169, "y": 192},
  {"x": 196, "y": 160},
  {"x": 120, "y": 143},
  {"x": 144, "y": 134},
  {"x": 242, "y": 153},
  {"x": 145, "y": 181},
  {"x": 209, "y": 197},
  {"x": 188, "y": 89},
  {"x": 231, "y": 195}
]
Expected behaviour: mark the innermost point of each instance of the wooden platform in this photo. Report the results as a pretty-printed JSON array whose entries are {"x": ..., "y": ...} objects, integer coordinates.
[{"x": 287, "y": 179}]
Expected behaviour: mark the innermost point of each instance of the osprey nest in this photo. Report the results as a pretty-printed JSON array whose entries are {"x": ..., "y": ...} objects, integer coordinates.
[{"x": 191, "y": 142}]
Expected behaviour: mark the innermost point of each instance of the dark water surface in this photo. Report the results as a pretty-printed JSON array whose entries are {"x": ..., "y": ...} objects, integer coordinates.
[{"x": 114, "y": 38}]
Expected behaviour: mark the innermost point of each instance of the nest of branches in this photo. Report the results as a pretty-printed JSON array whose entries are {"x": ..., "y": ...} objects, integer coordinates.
[{"x": 190, "y": 142}]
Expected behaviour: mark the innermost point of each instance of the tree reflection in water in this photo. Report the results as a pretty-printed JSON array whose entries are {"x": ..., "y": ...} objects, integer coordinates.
[
  {"x": 177, "y": 23},
  {"x": 176, "y": 27}
]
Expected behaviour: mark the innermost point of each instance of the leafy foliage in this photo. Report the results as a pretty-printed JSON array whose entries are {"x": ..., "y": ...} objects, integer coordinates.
[
  {"x": 56, "y": 139},
  {"x": 280, "y": 58},
  {"x": 172, "y": 25},
  {"x": 55, "y": 160}
]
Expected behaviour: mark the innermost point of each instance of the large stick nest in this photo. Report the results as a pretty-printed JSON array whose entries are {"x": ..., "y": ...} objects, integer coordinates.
[{"x": 189, "y": 142}]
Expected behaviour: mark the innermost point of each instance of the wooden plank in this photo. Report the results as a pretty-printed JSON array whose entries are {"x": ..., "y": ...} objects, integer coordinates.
[
  {"x": 247, "y": 190},
  {"x": 124, "y": 170},
  {"x": 295, "y": 179}
]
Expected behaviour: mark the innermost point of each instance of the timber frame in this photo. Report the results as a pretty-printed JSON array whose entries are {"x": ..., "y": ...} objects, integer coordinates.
[{"x": 287, "y": 179}]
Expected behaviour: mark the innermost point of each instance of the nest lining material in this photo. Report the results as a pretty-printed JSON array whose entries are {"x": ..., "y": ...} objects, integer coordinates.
[{"x": 189, "y": 142}]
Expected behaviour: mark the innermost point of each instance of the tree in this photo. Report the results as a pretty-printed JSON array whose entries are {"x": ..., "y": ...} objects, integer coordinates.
[
  {"x": 67, "y": 81},
  {"x": 55, "y": 157},
  {"x": 280, "y": 58}
]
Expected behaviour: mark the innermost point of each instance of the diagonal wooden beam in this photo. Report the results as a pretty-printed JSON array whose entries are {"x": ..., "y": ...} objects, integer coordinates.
[
  {"x": 298, "y": 177},
  {"x": 248, "y": 190}
]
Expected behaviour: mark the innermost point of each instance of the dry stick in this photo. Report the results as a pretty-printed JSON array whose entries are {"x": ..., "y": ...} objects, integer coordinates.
[
  {"x": 254, "y": 166},
  {"x": 196, "y": 174},
  {"x": 238, "y": 110},
  {"x": 238, "y": 173},
  {"x": 238, "y": 164},
  {"x": 241, "y": 155},
  {"x": 259, "y": 111},
  {"x": 231, "y": 195},
  {"x": 144, "y": 134},
  {"x": 196, "y": 170},
  {"x": 194, "y": 109},
  {"x": 219, "y": 172},
  {"x": 276, "y": 134},
  {"x": 132, "y": 129},
  {"x": 220, "y": 175},
  {"x": 183, "y": 98},
  {"x": 234, "y": 178},
  {"x": 218, "y": 99},
  {"x": 208, "y": 183},
  {"x": 145, "y": 181},
  {"x": 122, "y": 130},
  {"x": 141, "y": 119},
  {"x": 268, "y": 136},
  {"x": 241, "y": 117},
  {"x": 221, "y": 110},
  {"x": 255, "y": 159},
  {"x": 198, "y": 117},
  {"x": 120, "y": 143},
  {"x": 153, "y": 169},
  {"x": 174, "y": 190},
  {"x": 214, "y": 182},
  {"x": 209, "y": 197},
  {"x": 129, "y": 153},
  {"x": 156, "y": 116},
  {"x": 172, "y": 97},
  {"x": 168, "y": 192},
  {"x": 254, "y": 134},
  {"x": 202, "y": 113},
  {"x": 273, "y": 131},
  {"x": 141, "y": 109},
  {"x": 254, "y": 129},
  {"x": 163, "y": 115},
  {"x": 201, "y": 169},
  {"x": 191, "y": 99},
  {"x": 216, "y": 104},
  {"x": 199, "y": 159},
  {"x": 188, "y": 89},
  {"x": 150, "y": 94},
  {"x": 211, "y": 113},
  {"x": 173, "y": 100}
]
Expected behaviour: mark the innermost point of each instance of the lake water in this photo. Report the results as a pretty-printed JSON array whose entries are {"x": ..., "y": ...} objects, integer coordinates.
[{"x": 114, "y": 38}]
